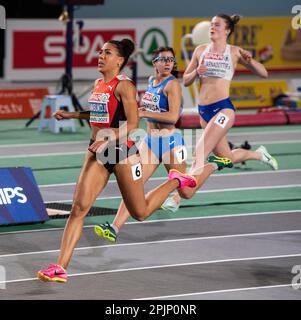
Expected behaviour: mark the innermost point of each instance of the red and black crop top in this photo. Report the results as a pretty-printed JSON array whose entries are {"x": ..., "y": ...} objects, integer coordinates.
[{"x": 105, "y": 109}]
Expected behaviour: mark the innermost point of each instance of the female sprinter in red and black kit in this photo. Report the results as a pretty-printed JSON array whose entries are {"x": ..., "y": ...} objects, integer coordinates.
[{"x": 113, "y": 114}]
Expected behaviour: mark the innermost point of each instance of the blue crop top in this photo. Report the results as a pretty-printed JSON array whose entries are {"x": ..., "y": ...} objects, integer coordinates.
[{"x": 154, "y": 99}]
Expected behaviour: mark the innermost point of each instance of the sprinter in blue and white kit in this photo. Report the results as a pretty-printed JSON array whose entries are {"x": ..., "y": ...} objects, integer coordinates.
[
  {"x": 214, "y": 64},
  {"x": 161, "y": 105},
  {"x": 153, "y": 101}
]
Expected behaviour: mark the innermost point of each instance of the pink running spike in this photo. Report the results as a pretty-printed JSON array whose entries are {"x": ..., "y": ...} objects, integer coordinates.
[
  {"x": 53, "y": 273},
  {"x": 184, "y": 179}
]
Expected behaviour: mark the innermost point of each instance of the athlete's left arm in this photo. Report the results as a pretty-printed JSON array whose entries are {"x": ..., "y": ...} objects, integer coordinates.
[
  {"x": 173, "y": 92},
  {"x": 245, "y": 58},
  {"x": 126, "y": 92}
]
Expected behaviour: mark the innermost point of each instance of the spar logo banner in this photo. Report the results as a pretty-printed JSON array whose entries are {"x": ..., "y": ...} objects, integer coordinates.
[
  {"x": 272, "y": 40},
  {"x": 35, "y": 49},
  {"x": 20, "y": 198},
  {"x": 21, "y": 103}
]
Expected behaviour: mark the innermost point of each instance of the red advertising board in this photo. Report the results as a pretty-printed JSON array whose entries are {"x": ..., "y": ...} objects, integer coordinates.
[
  {"x": 49, "y": 48},
  {"x": 21, "y": 103},
  {"x": 35, "y": 49}
]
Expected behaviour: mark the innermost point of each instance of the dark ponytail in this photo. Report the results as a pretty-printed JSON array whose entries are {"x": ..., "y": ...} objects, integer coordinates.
[
  {"x": 125, "y": 48},
  {"x": 235, "y": 18},
  {"x": 231, "y": 21}
]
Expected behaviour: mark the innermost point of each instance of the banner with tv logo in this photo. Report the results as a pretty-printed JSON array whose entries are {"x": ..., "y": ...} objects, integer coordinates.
[{"x": 20, "y": 197}]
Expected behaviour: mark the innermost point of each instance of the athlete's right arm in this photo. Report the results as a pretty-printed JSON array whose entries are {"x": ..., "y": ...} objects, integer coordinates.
[
  {"x": 61, "y": 114},
  {"x": 191, "y": 71}
]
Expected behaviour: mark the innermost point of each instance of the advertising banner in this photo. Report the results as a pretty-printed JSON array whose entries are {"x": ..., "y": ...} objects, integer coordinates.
[
  {"x": 246, "y": 94},
  {"x": 255, "y": 94},
  {"x": 35, "y": 49},
  {"x": 21, "y": 103},
  {"x": 272, "y": 41},
  {"x": 20, "y": 198}
]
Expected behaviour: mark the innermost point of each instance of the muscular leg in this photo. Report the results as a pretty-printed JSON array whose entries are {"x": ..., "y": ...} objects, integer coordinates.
[
  {"x": 222, "y": 149},
  {"x": 148, "y": 168},
  {"x": 187, "y": 193},
  {"x": 206, "y": 171},
  {"x": 139, "y": 206},
  {"x": 211, "y": 136},
  {"x": 171, "y": 162},
  {"x": 149, "y": 165},
  {"x": 93, "y": 178}
]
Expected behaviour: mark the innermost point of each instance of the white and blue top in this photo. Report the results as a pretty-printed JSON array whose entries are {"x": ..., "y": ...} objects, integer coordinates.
[{"x": 218, "y": 65}]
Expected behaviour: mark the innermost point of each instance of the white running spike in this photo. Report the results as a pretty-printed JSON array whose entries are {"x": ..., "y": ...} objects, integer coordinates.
[{"x": 267, "y": 158}]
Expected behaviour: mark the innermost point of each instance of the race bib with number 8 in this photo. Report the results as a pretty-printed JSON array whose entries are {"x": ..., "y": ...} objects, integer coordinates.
[{"x": 221, "y": 120}]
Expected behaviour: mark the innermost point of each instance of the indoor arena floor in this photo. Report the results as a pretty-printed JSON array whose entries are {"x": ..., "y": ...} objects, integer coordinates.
[{"x": 238, "y": 238}]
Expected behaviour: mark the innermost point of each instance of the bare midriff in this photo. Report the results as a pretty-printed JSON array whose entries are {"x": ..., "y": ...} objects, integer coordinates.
[
  {"x": 95, "y": 130},
  {"x": 213, "y": 90},
  {"x": 160, "y": 129}
]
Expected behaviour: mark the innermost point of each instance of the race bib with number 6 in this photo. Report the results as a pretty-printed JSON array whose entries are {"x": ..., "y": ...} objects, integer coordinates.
[{"x": 136, "y": 171}]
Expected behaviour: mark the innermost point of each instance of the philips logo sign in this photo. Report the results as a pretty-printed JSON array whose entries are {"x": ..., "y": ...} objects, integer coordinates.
[
  {"x": 20, "y": 197},
  {"x": 9, "y": 194}
]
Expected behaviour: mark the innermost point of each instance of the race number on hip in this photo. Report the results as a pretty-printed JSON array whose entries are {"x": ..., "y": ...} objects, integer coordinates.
[
  {"x": 221, "y": 120},
  {"x": 136, "y": 171},
  {"x": 181, "y": 154}
]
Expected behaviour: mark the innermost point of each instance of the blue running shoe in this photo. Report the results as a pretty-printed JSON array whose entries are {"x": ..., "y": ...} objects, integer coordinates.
[{"x": 106, "y": 231}]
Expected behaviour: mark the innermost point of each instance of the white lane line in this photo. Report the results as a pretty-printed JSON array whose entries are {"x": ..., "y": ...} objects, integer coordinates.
[
  {"x": 274, "y": 142},
  {"x": 66, "y": 153},
  {"x": 254, "y": 143},
  {"x": 33, "y": 155},
  {"x": 216, "y": 291},
  {"x": 85, "y": 141},
  {"x": 258, "y": 172},
  {"x": 157, "y": 242},
  {"x": 46, "y": 144},
  {"x": 260, "y": 133},
  {"x": 224, "y": 175},
  {"x": 251, "y": 188},
  {"x": 110, "y": 181},
  {"x": 200, "y": 192},
  {"x": 261, "y": 213},
  {"x": 167, "y": 266}
]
